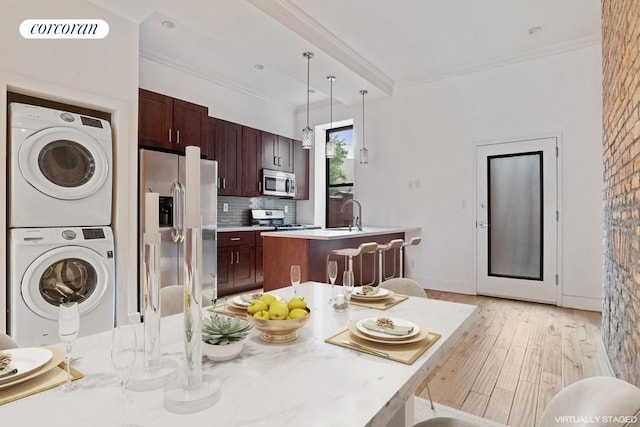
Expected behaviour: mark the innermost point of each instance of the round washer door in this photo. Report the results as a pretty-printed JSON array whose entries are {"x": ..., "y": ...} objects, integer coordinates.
[
  {"x": 70, "y": 273},
  {"x": 64, "y": 163}
]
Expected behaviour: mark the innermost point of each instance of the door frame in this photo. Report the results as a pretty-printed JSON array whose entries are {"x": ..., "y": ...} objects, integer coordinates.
[{"x": 476, "y": 144}]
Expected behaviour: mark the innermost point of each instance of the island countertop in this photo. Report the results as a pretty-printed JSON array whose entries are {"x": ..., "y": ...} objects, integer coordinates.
[{"x": 339, "y": 233}]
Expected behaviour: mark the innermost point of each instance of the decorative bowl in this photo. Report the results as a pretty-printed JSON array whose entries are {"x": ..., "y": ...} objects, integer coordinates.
[
  {"x": 279, "y": 331},
  {"x": 220, "y": 353}
]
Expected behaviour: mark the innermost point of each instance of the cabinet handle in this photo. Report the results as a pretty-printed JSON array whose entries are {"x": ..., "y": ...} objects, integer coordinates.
[
  {"x": 169, "y": 134},
  {"x": 237, "y": 257},
  {"x": 224, "y": 183},
  {"x": 275, "y": 160},
  {"x": 231, "y": 253},
  {"x": 259, "y": 187},
  {"x": 234, "y": 239},
  {"x": 279, "y": 163},
  {"x": 218, "y": 183},
  {"x": 178, "y": 136}
]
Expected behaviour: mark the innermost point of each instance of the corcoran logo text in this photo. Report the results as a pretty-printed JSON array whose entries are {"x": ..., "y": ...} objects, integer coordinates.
[{"x": 64, "y": 29}]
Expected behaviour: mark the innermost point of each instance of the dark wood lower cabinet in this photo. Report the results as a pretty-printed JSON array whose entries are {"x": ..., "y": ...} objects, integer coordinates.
[
  {"x": 239, "y": 262},
  {"x": 225, "y": 271},
  {"x": 259, "y": 264}
]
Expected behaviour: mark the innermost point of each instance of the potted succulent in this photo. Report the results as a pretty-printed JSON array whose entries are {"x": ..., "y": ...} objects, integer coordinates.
[{"x": 223, "y": 336}]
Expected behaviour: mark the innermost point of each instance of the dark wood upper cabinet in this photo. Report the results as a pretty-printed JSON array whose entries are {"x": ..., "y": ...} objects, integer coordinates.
[
  {"x": 251, "y": 152},
  {"x": 277, "y": 152},
  {"x": 155, "y": 118},
  {"x": 169, "y": 123},
  {"x": 301, "y": 168},
  {"x": 190, "y": 125},
  {"x": 285, "y": 152},
  {"x": 227, "y": 145},
  {"x": 269, "y": 147}
]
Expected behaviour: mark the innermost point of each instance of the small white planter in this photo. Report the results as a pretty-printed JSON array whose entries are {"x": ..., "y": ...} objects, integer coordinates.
[{"x": 220, "y": 353}]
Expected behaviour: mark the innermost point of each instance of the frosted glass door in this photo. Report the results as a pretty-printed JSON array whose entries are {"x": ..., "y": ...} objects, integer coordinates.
[
  {"x": 515, "y": 214},
  {"x": 516, "y": 220}
]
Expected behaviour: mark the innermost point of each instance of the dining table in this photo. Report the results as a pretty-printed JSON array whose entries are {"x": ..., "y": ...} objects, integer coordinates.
[{"x": 307, "y": 382}]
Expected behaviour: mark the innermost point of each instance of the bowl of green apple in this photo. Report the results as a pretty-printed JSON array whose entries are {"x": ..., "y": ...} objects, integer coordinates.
[{"x": 278, "y": 320}]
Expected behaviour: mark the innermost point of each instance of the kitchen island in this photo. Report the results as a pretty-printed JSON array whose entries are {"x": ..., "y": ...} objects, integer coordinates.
[{"x": 309, "y": 249}]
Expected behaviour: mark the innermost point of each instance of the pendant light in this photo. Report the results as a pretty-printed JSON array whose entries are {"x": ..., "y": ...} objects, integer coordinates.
[
  {"x": 307, "y": 133},
  {"x": 330, "y": 150},
  {"x": 364, "y": 153}
]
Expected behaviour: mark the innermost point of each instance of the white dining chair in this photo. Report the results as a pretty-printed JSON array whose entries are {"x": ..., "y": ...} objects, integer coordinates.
[
  {"x": 6, "y": 342},
  {"x": 404, "y": 286},
  {"x": 596, "y": 399},
  {"x": 171, "y": 300},
  {"x": 409, "y": 287}
]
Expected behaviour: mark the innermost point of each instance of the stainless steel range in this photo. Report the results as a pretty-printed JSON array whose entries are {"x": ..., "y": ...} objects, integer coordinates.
[{"x": 275, "y": 218}]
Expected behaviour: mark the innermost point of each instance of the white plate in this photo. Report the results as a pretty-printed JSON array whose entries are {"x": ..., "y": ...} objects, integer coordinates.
[
  {"x": 382, "y": 293},
  {"x": 26, "y": 360},
  {"x": 400, "y": 322},
  {"x": 239, "y": 301}
]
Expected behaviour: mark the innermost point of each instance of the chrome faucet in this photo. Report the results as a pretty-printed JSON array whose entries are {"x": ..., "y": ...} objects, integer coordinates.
[{"x": 358, "y": 219}]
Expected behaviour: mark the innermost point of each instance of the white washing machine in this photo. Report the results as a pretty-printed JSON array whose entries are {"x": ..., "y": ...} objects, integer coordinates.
[
  {"x": 61, "y": 168},
  {"x": 49, "y": 266}
]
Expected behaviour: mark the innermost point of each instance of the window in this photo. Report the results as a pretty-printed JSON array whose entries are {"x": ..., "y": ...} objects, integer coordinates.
[{"x": 340, "y": 171}]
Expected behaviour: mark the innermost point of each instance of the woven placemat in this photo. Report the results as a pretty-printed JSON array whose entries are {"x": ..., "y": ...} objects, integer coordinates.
[
  {"x": 404, "y": 353},
  {"x": 44, "y": 379},
  {"x": 229, "y": 310},
  {"x": 383, "y": 304}
]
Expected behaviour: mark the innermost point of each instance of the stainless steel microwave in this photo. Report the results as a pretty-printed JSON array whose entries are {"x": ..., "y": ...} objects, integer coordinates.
[{"x": 276, "y": 183}]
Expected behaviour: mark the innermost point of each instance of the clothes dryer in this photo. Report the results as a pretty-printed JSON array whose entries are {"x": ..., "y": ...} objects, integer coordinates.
[
  {"x": 61, "y": 168},
  {"x": 49, "y": 266}
]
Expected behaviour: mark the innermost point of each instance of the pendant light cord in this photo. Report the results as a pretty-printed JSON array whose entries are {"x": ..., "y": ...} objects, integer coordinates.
[{"x": 308, "y": 55}]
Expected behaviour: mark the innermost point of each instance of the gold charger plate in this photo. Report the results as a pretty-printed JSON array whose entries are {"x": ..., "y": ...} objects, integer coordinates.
[
  {"x": 424, "y": 333},
  {"x": 376, "y": 298},
  {"x": 56, "y": 359}
]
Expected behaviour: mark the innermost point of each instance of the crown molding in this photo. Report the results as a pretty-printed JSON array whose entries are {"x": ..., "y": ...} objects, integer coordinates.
[
  {"x": 301, "y": 23},
  {"x": 501, "y": 62},
  {"x": 167, "y": 61}
]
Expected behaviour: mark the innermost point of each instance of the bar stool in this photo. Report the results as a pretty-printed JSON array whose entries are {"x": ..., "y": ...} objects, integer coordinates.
[
  {"x": 396, "y": 246},
  {"x": 350, "y": 253},
  {"x": 415, "y": 241}
]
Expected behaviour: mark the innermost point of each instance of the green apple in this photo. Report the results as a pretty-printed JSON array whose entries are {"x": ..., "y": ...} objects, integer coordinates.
[
  {"x": 278, "y": 311},
  {"x": 262, "y": 315},
  {"x": 297, "y": 312},
  {"x": 297, "y": 302},
  {"x": 268, "y": 299},
  {"x": 256, "y": 306}
]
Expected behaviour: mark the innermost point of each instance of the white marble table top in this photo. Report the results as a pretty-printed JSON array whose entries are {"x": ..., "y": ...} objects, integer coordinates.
[{"x": 305, "y": 383}]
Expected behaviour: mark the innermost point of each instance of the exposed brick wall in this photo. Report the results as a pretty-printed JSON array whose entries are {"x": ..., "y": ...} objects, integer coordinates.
[{"x": 621, "y": 122}]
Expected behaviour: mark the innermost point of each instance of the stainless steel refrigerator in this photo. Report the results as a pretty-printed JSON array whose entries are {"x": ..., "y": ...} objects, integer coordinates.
[{"x": 159, "y": 173}]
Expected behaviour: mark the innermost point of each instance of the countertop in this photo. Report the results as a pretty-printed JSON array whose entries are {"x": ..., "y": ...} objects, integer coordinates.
[
  {"x": 338, "y": 233},
  {"x": 227, "y": 229}
]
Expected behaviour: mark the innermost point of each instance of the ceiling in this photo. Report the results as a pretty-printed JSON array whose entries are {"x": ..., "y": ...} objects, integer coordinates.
[{"x": 378, "y": 45}]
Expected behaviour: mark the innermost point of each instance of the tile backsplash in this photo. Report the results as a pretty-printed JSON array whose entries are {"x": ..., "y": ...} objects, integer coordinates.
[{"x": 239, "y": 208}]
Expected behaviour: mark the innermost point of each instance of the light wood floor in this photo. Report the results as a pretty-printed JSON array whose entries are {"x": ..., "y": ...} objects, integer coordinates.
[{"x": 514, "y": 358}]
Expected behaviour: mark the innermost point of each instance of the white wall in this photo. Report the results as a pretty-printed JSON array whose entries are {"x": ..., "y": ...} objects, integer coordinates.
[
  {"x": 224, "y": 103},
  {"x": 99, "y": 74},
  {"x": 428, "y": 132}
]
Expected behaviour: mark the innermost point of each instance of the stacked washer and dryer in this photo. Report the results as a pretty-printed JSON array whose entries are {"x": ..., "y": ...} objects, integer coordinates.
[{"x": 61, "y": 245}]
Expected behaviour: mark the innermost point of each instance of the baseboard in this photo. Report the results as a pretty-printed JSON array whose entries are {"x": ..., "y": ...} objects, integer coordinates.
[
  {"x": 582, "y": 303},
  {"x": 603, "y": 360}
]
